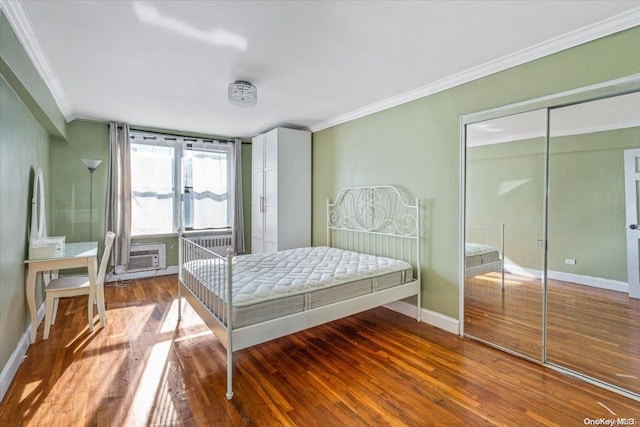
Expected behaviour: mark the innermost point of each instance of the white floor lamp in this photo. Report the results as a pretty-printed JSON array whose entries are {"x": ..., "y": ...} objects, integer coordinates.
[{"x": 92, "y": 165}]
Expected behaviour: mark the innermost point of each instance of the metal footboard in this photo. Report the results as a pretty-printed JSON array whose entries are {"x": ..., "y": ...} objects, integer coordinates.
[{"x": 207, "y": 281}]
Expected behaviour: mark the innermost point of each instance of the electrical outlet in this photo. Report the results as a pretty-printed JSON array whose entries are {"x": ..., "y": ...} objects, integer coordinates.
[{"x": 570, "y": 261}]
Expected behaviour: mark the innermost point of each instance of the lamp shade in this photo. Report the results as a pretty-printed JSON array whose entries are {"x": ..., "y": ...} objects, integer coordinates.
[{"x": 91, "y": 164}]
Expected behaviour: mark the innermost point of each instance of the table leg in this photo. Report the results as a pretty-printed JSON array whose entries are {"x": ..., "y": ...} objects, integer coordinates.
[{"x": 30, "y": 287}]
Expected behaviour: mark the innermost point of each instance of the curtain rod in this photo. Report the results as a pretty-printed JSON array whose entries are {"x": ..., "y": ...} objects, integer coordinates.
[{"x": 187, "y": 138}]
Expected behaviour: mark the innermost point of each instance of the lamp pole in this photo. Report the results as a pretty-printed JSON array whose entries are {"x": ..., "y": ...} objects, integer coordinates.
[{"x": 92, "y": 165}]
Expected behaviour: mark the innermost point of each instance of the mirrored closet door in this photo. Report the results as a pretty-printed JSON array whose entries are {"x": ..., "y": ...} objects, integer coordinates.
[
  {"x": 593, "y": 324},
  {"x": 504, "y": 231},
  {"x": 550, "y": 264}
]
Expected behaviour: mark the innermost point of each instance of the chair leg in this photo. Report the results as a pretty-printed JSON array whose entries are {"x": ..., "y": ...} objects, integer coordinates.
[
  {"x": 48, "y": 315},
  {"x": 92, "y": 295},
  {"x": 100, "y": 302},
  {"x": 55, "y": 310}
]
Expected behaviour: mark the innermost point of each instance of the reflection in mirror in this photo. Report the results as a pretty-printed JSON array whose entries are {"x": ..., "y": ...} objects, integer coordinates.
[
  {"x": 504, "y": 231},
  {"x": 593, "y": 323}
]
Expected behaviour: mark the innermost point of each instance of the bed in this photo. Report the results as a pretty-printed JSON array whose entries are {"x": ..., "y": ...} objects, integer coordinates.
[
  {"x": 372, "y": 258},
  {"x": 484, "y": 251}
]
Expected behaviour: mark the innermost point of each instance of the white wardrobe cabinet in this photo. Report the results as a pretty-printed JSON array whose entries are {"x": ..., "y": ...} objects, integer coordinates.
[{"x": 281, "y": 190}]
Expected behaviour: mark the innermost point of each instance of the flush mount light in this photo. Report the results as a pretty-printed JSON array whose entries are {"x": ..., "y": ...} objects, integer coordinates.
[{"x": 243, "y": 93}]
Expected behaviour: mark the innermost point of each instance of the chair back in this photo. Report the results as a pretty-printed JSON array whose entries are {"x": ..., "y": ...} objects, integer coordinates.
[{"x": 108, "y": 243}]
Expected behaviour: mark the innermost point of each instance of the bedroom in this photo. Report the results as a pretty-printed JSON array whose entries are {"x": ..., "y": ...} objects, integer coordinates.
[{"x": 419, "y": 139}]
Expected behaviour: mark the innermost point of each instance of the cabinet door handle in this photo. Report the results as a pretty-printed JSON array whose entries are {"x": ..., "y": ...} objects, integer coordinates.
[{"x": 261, "y": 204}]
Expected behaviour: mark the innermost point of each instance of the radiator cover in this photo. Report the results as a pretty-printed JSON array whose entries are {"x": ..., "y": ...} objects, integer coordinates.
[{"x": 217, "y": 243}]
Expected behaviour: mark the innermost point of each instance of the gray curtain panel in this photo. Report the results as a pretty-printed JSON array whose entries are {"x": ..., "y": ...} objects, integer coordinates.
[
  {"x": 118, "y": 203},
  {"x": 238, "y": 214}
]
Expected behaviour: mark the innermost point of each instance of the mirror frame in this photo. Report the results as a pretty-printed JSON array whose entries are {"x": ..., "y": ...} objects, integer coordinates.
[
  {"x": 38, "y": 215},
  {"x": 594, "y": 92}
]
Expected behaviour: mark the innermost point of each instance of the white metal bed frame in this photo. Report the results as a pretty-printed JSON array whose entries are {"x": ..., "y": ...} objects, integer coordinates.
[{"x": 373, "y": 219}]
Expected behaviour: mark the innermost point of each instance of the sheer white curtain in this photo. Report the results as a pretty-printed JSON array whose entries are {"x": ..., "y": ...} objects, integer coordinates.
[
  {"x": 153, "y": 189},
  {"x": 210, "y": 181},
  {"x": 238, "y": 213},
  {"x": 118, "y": 203}
]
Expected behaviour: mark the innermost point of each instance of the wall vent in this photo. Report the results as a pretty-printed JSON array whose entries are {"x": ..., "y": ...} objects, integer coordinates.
[
  {"x": 217, "y": 243},
  {"x": 147, "y": 256}
]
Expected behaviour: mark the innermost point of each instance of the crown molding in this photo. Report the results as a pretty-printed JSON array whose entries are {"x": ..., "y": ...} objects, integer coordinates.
[
  {"x": 615, "y": 24},
  {"x": 21, "y": 25}
]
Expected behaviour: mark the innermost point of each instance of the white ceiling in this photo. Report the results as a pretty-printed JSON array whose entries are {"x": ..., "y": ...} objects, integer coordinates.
[{"x": 167, "y": 64}]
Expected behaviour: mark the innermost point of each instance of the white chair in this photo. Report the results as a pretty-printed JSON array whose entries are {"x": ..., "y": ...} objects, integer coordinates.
[{"x": 72, "y": 286}]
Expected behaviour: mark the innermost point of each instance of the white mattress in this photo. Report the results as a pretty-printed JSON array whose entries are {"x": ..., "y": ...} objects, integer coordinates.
[
  {"x": 477, "y": 254},
  {"x": 267, "y": 286}
]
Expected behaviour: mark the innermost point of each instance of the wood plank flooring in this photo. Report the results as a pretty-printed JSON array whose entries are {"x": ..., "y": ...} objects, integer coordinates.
[
  {"x": 589, "y": 330},
  {"x": 377, "y": 368}
]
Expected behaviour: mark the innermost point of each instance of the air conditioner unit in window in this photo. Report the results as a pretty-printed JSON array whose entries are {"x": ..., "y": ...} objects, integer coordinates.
[{"x": 147, "y": 256}]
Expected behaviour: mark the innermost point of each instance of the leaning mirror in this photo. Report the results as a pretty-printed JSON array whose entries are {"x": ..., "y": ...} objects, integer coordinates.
[{"x": 38, "y": 216}]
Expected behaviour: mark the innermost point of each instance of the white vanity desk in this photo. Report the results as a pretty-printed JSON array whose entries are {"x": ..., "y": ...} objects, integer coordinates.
[{"x": 74, "y": 255}]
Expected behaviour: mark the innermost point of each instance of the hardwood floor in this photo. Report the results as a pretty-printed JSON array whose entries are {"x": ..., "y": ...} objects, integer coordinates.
[
  {"x": 595, "y": 330},
  {"x": 378, "y": 368},
  {"x": 590, "y": 330},
  {"x": 510, "y": 318}
]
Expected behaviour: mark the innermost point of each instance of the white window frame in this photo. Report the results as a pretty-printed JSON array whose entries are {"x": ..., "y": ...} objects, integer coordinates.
[
  {"x": 180, "y": 145},
  {"x": 205, "y": 146}
]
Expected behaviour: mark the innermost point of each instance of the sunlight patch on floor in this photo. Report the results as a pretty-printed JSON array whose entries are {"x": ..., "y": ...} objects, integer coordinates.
[
  {"x": 194, "y": 335},
  {"x": 498, "y": 280},
  {"x": 171, "y": 317},
  {"x": 30, "y": 388},
  {"x": 151, "y": 379}
]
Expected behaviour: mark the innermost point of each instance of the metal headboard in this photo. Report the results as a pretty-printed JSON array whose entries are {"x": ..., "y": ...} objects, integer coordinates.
[{"x": 375, "y": 220}]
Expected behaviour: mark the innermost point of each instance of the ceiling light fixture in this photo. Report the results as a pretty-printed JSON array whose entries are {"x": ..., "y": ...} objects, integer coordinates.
[{"x": 243, "y": 93}]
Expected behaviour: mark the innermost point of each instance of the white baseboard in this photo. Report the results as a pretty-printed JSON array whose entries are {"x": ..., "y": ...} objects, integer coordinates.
[
  {"x": 433, "y": 318},
  {"x": 580, "y": 279},
  {"x": 17, "y": 356},
  {"x": 596, "y": 282},
  {"x": 172, "y": 269}
]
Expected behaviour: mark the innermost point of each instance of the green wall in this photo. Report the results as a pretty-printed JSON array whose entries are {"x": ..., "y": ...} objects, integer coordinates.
[
  {"x": 24, "y": 146},
  {"x": 416, "y": 146},
  {"x": 27, "y": 117},
  {"x": 70, "y": 179}
]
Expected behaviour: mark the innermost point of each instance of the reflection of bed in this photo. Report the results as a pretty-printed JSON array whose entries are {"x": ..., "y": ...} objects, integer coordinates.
[
  {"x": 484, "y": 251},
  {"x": 251, "y": 299},
  {"x": 481, "y": 259}
]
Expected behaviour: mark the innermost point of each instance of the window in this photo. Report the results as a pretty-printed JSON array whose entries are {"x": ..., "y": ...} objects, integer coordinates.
[
  {"x": 206, "y": 187},
  {"x": 179, "y": 182}
]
